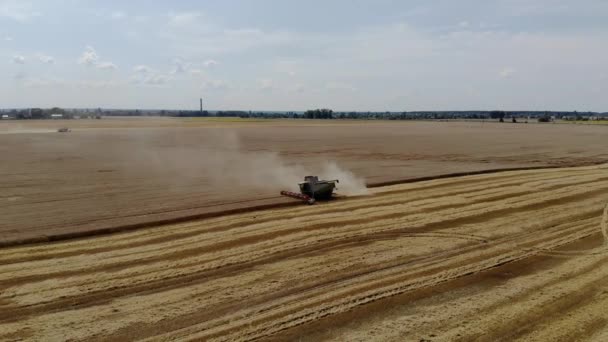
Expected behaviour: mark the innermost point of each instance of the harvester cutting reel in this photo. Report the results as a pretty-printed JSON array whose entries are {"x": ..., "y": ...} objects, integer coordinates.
[
  {"x": 305, "y": 198},
  {"x": 313, "y": 189}
]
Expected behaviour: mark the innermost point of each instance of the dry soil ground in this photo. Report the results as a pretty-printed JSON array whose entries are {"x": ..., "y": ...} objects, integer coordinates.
[
  {"x": 517, "y": 255},
  {"x": 118, "y": 173}
]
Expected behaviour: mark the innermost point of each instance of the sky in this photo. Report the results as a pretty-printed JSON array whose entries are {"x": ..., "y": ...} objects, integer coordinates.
[{"x": 375, "y": 55}]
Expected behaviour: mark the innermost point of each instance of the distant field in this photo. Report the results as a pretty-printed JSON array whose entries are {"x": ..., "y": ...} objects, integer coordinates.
[
  {"x": 119, "y": 172},
  {"x": 594, "y": 122},
  {"x": 225, "y": 119}
]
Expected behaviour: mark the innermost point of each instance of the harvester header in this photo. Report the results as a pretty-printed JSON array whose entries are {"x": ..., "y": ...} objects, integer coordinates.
[{"x": 313, "y": 189}]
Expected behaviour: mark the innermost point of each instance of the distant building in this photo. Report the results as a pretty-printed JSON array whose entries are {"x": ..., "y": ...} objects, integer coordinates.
[
  {"x": 5, "y": 116},
  {"x": 56, "y": 116}
]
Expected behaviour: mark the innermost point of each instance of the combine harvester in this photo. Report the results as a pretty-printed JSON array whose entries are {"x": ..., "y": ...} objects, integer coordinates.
[{"x": 313, "y": 189}]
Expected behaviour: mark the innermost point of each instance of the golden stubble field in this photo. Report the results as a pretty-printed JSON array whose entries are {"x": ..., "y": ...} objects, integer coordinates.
[
  {"x": 516, "y": 255},
  {"x": 120, "y": 173},
  {"x": 513, "y": 256}
]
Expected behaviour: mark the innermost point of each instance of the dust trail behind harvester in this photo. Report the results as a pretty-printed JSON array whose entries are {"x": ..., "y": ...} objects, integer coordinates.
[
  {"x": 231, "y": 162},
  {"x": 349, "y": 185},
  {"x": 222, "y": 159}
]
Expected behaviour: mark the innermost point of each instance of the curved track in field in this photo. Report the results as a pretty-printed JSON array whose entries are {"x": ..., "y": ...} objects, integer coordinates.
[{"x": 293, "y": 272}]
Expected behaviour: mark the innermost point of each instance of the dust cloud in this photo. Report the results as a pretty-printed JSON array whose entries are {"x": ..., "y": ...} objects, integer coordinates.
[
  {"x": 349, "y": 184},
  {"x": 220, "y": 158}
]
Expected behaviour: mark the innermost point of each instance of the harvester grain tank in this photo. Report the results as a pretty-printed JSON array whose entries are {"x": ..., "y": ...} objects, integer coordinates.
[{"x": 313, "y": 189}]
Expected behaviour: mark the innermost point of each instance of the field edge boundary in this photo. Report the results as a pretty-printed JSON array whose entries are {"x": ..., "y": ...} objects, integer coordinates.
[{"x": 479, "y": 172}]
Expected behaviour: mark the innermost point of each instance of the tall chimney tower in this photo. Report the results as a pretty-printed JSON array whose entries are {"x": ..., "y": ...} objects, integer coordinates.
[{"x": 201, "y": 106}]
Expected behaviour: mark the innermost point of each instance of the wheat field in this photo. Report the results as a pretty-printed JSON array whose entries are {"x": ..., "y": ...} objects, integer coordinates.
[{"x": 404, "y": 261}]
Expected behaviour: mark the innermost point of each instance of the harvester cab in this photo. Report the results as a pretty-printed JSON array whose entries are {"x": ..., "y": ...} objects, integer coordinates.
[{"x": 313, "y": 189}]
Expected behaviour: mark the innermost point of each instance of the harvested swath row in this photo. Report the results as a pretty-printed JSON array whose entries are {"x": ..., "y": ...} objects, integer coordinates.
[
  {"x": 91, "y": 283},
  {"x": 79, "y": 267},
  {"x": 464, "y": 181},
  {"x": 590, "y": 229},
  {"x": 596, "y": 251},
  {"x": 67, "y": 302},
  {"x": 346, "y": 296},
  {"x": 550, "y": 309},
  {"x": 534, "y": 299},
  {"x": 244, "y": 277},
  {"x": 261, "y": 217},
  {"x": 184, "y": 231}
]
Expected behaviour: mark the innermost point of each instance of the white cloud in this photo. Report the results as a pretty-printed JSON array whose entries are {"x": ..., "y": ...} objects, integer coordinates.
[
  {"x": 210, "y": 63},
  {"x": 145, "y": 75},
  {"x": 506, "y": 72},
  {"x": 180, "y": 66},
  {"x": 463, "y": 24},
  {"x": 156, "y": 79},
  {"x": 142, "y": 69},
  {"x": 291, "y": 73},
  {"x": 8, "y": 38},
  {"x": 17, "y": 10},
  {"x": 17, "y": 59},
  {"x": 46, "y": 59},
  {"x": 106, "y": 66},
  {"x": 89, "y": 57},
  {"x": 118, "y": 15}
]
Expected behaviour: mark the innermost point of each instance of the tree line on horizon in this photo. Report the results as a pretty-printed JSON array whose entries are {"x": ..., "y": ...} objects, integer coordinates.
[{"x": 320, "y": 113}]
